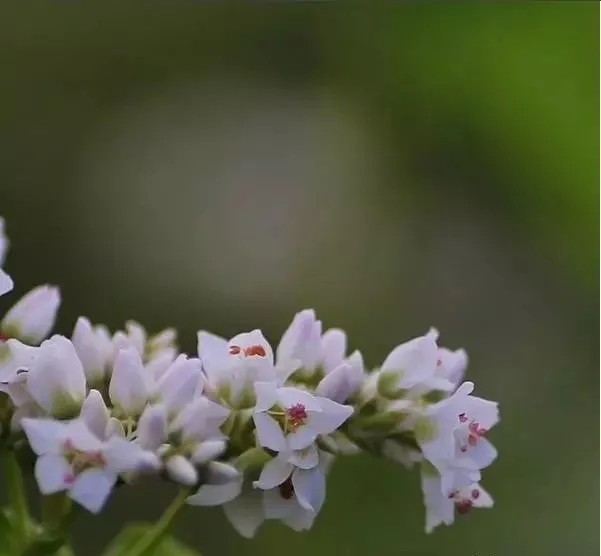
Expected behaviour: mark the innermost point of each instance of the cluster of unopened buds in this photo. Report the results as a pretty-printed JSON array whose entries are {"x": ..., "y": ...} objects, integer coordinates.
[{"x": 237, "y": 425}]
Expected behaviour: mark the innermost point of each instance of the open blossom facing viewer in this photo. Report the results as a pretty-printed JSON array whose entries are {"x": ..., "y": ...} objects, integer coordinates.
[{"x": 242, "y": 425}]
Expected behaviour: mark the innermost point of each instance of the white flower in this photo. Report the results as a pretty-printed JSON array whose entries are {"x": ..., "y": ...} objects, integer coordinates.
[
  {"x": 300, "y": 346},
  {"x": 149, "y": 348},
  {"x": 6, "y": 283},
  {"x": 199, "y": 422},
  {"x": 344, "y": 381},
  {"x": 451, "y": 436},
  {"x": 441, "y": 506},
  {"x": 15, "y": 359},
  {"x": 72, "y": 459},
  {"x": 289, "y": 419},
  {"x": 130, "y": 387},
  {"x": 180, "y": 384},
  {"x": 31, "y": 319},
  {"x": 94, "y": 348},
  {"x": 409, "y": 365},
  {"x": 55, "y": 379},
  {"x": 95, "y": 414},
  {"x": 233, "y": 367}
]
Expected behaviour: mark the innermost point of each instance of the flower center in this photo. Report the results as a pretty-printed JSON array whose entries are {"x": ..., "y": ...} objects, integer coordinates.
[
  {"x": 256, "y": 349},
  {"x": 462, "y": 503},
  {"x": 474, "y": 432},
  {"x": 296, "y": 416},
  {"x": 80, "y": 460}
]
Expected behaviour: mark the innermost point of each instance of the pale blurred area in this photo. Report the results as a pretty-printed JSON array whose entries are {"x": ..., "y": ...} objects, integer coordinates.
[{"x": 220, "y": 169}]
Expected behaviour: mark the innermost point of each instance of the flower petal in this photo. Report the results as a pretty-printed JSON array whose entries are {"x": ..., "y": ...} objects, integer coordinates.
[
  {"x": 330, "y": 418},
  {"x": 95, "y": 414},
  {"x": 333, "y": 348},
  {"x": 310, "y": 488},
  {"x": 215, "y": 495},
  {"x": 269, "y": 433},
  {"x": 245, "y": 512},
  {"x": 129, "y": 387},
  {"x": 274, "y": 473},
  {"x": 51, "y": 473},
  {"x": 92, "y": 488}
]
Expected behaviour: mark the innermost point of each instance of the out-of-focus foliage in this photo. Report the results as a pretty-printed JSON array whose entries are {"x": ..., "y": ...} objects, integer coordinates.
[{"x": 211, "y": 166}]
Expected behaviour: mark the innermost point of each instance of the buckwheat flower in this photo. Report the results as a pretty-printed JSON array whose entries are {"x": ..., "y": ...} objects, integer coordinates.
[
  {"x": 344, "y": 381},
  {"x": 149, "y": 348},
  {"x": 130, "y": 387},
  {"x": 95, "y": 414},
  {"x": 451, "y": 434},
  {"x": 180, "y": 384},
  {"x": 307, "y": 352},
  {"x": 72, "y": 459},
  {"x": 31, "y": 319},
  {"x": 56, "y": 379},
  {"x": 233, "y": 367},
  {"x": 408, "y": 365},
  {"x": 289, "y": 419},
  {"x": 441, "y": 506},
  {"x": 94, "y": 348},
  {"x": 15, "y": 359}
]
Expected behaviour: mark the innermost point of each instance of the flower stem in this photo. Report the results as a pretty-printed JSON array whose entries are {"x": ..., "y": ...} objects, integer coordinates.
[
  {"x": 16, "y": 496},
  {"x": 149, "y": 541}
]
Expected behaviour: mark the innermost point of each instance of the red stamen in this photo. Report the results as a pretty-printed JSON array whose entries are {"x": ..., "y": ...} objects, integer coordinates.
[
  {"x": 463, "y": 506},
  {"x": 234, "y": 350},
  {"x": 475, "y": 494},
  {"x": 255, "y": 350},
  {"x": 462, "y": 417},
  {"x": 297, "y": 415},
  {"x": 286, "y": 489}
]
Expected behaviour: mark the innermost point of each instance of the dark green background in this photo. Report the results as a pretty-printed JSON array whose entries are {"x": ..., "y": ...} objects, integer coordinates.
[{"x": 210, "y": 166}]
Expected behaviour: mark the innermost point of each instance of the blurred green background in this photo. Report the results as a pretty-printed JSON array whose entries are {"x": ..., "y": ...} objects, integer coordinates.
[{"x": 221, "y": 167}]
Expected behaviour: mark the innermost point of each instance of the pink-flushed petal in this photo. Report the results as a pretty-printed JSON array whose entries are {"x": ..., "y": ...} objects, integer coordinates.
[
  {"x": 53, "y": 473},
  {"x": 310, "y": 488},
  {"x": 216, "y": 495},
  {"x": 95, "y": 414},
  {"x": 245, "y": 512},
  {"x": 92, "y": 488},
  {"x": 333, "y": 348},
  {"x": 45, "y": 436},
  {"x": 302, "y": 437},
  {"x": 289, "y": 396},
  {"x": 274, "y": 473},
  {"x": 331, "y": 417},
  {"x": 269, "y": 433},
  {"x": 267, "y": 395}
]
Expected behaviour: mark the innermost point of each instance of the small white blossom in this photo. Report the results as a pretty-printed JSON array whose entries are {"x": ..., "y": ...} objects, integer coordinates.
[
  {"x": 130, "y": 387},
  {"x": 72, "y": 459},
  {"x": 94, "y": 348},
  {"x": 233, "y": 367},
  {"x": 55, "y": 379},
  {"x": 180, "y": 384},
  {"x": 289, "y": 419},
  {"x": 31, "y": 319},
  {"x": 441, "y": 506}
]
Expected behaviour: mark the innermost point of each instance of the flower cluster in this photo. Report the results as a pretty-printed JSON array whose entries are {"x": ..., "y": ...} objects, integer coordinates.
[{"x": 241, "y": 426}]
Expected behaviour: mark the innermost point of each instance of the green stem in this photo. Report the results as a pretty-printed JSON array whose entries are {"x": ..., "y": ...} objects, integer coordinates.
[
  {"x": 16, "y": 495},
  {"x": 55, "y": 509},
  {"x": 150, "y": 540}
]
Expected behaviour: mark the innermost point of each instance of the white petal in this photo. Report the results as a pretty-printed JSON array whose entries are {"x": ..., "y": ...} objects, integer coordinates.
[
  {"x": 483, "y": 453},
  {"x": 152, "y": 427},
  {"x": 56, "y": 379},
  {"x": 277, "y": 507},
  {"x": 201, "y": 419},
  {"x": 92, "y": 488},
  {"x": 245, "y": 512},
  {"x": 220, "y": 473},
  {"x": 310, "y": 488},
  {"x": 333, "y": 348},
  {"x": 439, "y": 508},
  {"x": 301, "y": 341},
  {"x": 6, "y": 283},
  {"x": 302, "y": 437},
  {"x": 51, "y": 472},
  {"x": 180, "y": 383},
  {"x": 94, "y": 348},
  {"x": 45, "y": 436},
  {"x": 338, "y": 384},
  {"x": 300, "y": 519},
  {"x": 114, "y": 428},
  {"x": 274, "y": 473},
  {"x": 480, "y": 498},
  {"x": 213, "y": 353},
  {"x": 34, "y": 314},
  {"x": 305, "y": 459},
  {"x": 208, "y": 451},
  {"x": 129, "y": 387},
  {"x": 269, "y": 433},
  {"x": 289, "y": 396},
  {"x": 80, "y": 436},
  {"x": 181, "y": 470},
  {"x": 415, "y": 360},
  {"x": 267, "y": 395},
  {"x": 122, "y": 455},
  {"x": 136, "y": 334},
  {"x": 331, "y": 417},
  {"x": 215, "y": 495},
  {"x": 95, "y": 413},
  {"x": 158, "y": 365}
]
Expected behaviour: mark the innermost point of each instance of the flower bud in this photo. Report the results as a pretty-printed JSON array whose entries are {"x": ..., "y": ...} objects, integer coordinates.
[
  {"x": 31, "y": 319},
  {"x": 181, "y": 470}
]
